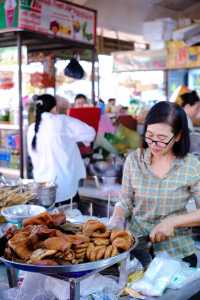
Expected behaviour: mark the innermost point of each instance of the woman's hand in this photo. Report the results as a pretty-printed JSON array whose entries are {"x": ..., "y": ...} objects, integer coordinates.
[
  {"x": 163, "y": 230},
  {"x": 116, "y": 223}
]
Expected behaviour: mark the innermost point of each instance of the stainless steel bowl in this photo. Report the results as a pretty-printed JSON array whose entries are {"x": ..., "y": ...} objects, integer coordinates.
[{"x": 17, "y": 213}]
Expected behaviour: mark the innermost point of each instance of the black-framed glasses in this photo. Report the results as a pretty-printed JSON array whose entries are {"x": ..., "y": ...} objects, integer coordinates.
[{"x": 160, "y": 144}]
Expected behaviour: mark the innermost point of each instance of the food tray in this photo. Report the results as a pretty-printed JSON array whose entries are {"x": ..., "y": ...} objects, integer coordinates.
[{"x": 68, "y": 271}]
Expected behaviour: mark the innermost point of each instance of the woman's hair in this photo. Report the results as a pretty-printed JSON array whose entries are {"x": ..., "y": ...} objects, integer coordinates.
[
  {"x": 173, "y": 115},
  {"x": 44, "y": 103},
  {"x": 80, "y": 96},
  {"x": 189, "y": 98}
]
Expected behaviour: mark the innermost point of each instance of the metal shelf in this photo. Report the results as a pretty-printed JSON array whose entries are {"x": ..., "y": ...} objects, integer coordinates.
[{"x": 9, "y": 126}]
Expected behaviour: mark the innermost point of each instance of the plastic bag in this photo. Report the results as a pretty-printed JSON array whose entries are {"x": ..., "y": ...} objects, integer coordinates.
[
  {"x": 41, "y": 287},
  {"x": 9, "y": 294},
  {"x": 158, "y": 275},
  {"x": 184, "y": 276},
  {"x": 33, "y": 288},
  {"x": 74, "y": 69}
]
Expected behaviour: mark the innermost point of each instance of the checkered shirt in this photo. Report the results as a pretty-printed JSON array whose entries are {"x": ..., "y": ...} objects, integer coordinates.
[{"x": 147, "y": 199}]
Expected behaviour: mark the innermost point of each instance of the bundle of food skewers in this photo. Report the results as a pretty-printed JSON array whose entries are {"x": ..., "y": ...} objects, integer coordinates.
[
  {"x": 47, "y": 239},
  {"x": 12, "y": 196}
]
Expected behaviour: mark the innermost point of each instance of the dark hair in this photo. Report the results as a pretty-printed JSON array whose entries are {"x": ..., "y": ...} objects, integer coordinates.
[
  {"x": 44, "y": 103},
  {"x": 81, "y": 96},
  {"x": 189, "y": 98},
  {"x": 173, "y": 115},
  {"x": 111, "y": 100}
]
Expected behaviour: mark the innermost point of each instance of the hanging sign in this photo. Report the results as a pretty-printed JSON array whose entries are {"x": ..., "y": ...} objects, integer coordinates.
[
  {"x": 139, "y": 60},
  {"x": 9, "y": 56},
  {"x": 59, "y": 19}
]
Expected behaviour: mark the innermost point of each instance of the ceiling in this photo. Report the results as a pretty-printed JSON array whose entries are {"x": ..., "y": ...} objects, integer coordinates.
[
  {"x": 176, "y": 5},
  {"x": 123, "y": 19}
]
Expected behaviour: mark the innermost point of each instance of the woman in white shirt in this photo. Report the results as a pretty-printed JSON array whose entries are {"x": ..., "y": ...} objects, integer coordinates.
[{"x": 52, "y": 146}]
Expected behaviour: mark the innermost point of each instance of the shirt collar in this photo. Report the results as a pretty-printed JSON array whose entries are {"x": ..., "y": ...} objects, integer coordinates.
[
  {"x": 147, "y": 156},
  {"x": 147, "y": 159}
]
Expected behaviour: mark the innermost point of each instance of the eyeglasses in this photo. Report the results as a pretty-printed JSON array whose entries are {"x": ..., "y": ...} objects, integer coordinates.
[{"x": 160, "y": 144}]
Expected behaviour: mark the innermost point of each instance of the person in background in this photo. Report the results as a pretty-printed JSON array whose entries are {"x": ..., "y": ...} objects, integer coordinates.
[
  {"x": 191, "y": 105},
  {"x": 52, "y": 146},
  {"x": 80, "y": 101},
  {"x": 111, "y": 105},
  {"x": 62, "y": 104},
  {"x": 159, "y": 178},
  {"x": 105, "y": 123}
]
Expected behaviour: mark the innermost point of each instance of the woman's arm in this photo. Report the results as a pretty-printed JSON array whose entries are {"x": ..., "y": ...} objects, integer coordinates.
[
  {"x": 166, "y": 227},
  {"x": 79, "y": 131},
  {"x": 187, "y": 220}
]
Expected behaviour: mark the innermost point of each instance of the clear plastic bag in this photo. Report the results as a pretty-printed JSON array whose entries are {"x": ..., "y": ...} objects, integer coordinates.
[
  {"x": 33, "y": 288},
  {"x": 40, "y": 287},
  {"x": 158, "y": 275},
  {"x": 9, "y": 294},
  {"x": 184, "y": 276}
]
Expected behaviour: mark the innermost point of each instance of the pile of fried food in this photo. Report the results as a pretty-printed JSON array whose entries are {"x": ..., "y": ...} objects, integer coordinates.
[
  {"x": 13, "y": 196},
  {"x": 43, "y": 241}
]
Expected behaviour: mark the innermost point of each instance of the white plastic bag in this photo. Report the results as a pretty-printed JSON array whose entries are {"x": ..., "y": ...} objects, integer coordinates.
[
  {"x": 33, "y": 288},
  {"x": 184, "y": 276},
  {"x": 41, "y": 287},
  {"x": 9, "y": 293},
  {"x": 158, "y": 275}
]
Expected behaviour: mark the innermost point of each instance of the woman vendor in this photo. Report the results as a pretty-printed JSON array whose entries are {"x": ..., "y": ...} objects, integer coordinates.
[
  {"x": 158, "y": 181},
  {"x": 52, "y": 146}
]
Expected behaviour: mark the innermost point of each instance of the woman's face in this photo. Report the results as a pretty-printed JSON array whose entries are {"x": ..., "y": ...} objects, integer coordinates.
[
  {"x": 192, "y": 111},
  {"x": 54, "y": 110},
  {"x": 195, "y": 110},
  {"x": 160, "y": 138},
  {"x": 80, "y": 102}
]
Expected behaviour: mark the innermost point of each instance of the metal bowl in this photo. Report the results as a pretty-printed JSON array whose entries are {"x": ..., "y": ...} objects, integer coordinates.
[
  {"x": 17, "y": 213},
  {"x": 46, "y": 193}
]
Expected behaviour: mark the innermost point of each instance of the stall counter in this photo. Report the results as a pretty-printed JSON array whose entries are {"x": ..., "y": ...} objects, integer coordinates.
[{"x": 98, "y": 201}]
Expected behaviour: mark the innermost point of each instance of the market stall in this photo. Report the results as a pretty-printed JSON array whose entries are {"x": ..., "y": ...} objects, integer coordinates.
[{"x": 48, "y": 27}]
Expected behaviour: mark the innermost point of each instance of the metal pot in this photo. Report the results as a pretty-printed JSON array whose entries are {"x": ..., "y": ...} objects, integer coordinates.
[{"x": 46, "y": 193}]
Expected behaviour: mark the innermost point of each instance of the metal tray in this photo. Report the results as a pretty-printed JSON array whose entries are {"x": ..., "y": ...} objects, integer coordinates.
[{"x": 70, "y": 271}]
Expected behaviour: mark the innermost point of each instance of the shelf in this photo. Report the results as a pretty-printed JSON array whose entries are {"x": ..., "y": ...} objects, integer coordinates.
[
  {"x": 9, "y": 126},
  {"x": 10, "y": 172}
]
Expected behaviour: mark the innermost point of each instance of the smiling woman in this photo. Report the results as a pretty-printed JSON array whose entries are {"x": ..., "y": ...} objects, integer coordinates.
[{"x": 158, "y": 181}]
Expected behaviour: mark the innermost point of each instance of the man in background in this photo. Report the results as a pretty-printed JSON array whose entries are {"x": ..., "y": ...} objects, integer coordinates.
[{"x": 80, "y": 101}]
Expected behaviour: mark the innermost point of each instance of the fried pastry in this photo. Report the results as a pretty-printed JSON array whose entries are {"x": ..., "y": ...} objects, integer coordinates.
[
  {"x": 101, "y": 241},
  {"x": 57, "y": 243},
  {"x": 98, "y": 234},
  {"x": 89, "y": 250},
  {"x": 92, "y": 226},
  {"x": 19, "y": 244},
  {"x": 41, "y": 253},
  {"x": 121, "y": 244},
  {"x": 108, "y": 252}
]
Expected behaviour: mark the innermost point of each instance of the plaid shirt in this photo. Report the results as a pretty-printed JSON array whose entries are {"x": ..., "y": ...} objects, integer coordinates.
[{"x": 147, "y": 199}]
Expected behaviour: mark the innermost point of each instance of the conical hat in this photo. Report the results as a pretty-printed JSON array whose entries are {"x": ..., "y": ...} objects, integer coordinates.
[{"x": 175, "y": 97}]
